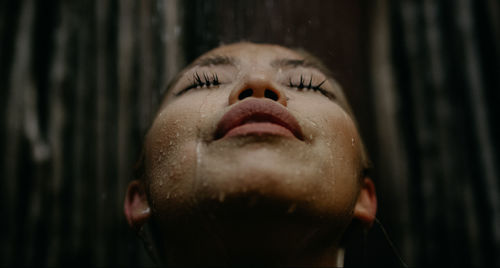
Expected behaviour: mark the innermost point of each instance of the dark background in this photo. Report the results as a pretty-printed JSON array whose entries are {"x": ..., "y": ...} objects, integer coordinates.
[{"x": 80, "y": 82}]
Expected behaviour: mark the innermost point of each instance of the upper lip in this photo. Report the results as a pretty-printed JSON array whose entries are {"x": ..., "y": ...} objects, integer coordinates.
[{"x": 255, "y": 110}]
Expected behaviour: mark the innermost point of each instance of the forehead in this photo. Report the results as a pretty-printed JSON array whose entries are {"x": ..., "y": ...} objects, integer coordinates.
[{"x": 253, "y": 52}]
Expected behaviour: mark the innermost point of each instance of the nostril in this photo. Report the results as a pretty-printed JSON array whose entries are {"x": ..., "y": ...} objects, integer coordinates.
[
  {"x": 245, "y": 93},
  {"x": 271, "y": 95}
]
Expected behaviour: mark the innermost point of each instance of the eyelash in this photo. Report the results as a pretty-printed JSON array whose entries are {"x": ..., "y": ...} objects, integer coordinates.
[
  {"x": 301, "y": 86},
  {"x": 202, "y": 81},
  {"x": 213, "y": 80},
  {"x": 310, "y": 86}
]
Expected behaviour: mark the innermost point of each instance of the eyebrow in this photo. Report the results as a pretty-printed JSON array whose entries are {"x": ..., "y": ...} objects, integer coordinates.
[
  {"x": 294, "y": 63},
  {"x": 285, "y": 62},
  {"x": 215, "y": 60}
]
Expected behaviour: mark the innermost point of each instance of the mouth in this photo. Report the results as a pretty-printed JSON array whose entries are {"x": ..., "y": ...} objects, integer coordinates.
[{"x": 260, "y": 118}]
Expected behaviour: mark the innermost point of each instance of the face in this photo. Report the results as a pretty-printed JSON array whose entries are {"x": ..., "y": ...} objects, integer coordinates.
[{"x": 254, "y": 122}]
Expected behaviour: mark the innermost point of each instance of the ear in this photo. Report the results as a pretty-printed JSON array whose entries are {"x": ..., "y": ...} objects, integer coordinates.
[
  {"x": 366, "y": 206},
  {"x": 136, "y": 205}
]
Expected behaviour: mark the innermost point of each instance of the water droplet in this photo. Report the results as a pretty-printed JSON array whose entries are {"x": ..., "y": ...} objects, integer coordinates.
[{"x": 352, "y": 142}]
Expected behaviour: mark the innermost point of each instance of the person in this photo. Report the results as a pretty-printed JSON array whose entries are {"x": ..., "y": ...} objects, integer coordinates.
[{"x": 254, "y": 158}]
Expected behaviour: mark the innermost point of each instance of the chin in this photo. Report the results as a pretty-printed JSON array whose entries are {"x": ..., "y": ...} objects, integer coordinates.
[
  {"x": 259, "y": 171},
  {"x": 260, "y": 179},
  {"x": 254, "y": 211}
]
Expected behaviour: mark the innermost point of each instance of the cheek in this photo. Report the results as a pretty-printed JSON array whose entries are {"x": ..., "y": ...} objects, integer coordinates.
[
  {"x": 170, "y": 151},
  {"x": 341, "y": 134},
  {"x": 345, "y": 156},
  {"x": 172, "y": 147},
  {"x": 335, "y": 138},
  {"x": 332, "y": 132}
]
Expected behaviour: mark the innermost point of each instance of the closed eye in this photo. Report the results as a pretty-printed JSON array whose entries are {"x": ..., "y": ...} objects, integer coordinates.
[
  {"x": 203, "y": 81},
  {"x": 303, "y": 84}
]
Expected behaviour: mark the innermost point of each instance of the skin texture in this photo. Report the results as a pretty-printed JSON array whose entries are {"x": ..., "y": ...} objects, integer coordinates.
[{"x": 259, "y": 198}]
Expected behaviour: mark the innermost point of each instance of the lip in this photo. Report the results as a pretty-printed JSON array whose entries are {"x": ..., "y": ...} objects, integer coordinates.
[{"x": 258, "y": 117}]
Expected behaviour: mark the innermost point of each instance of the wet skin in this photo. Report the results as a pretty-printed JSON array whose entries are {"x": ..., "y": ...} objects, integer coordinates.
[{"x": 258, "y": 191}]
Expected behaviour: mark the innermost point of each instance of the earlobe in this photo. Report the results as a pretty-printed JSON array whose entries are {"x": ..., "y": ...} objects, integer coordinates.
[
  {"x": 366, "y": 206},
  {"x": 136, "y": 207}
]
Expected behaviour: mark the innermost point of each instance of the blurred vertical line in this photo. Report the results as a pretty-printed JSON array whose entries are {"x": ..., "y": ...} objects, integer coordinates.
[
  {"x": 20, "y": 80},
  {"x": 440, "y": 108},
  {"x": 423, "y": 119},
  {"x": 58, "y": 77},
  {"x": 392, "y": 151},
  {"x": 78, "y": 139},
  {"x": 41, "y": 155},
  {"x": 3, "y": 22},
  {"x": 472, "y": 225},
  {"x": 100, "y": 251},
  {"x": 446, "y": 127},
  {"x": 126, "y": 42},
  {"x": 465, "y": 23},
  {"x": 494, "y": 16},
  {"x": 146, "y": 72},
  {"x": 174, "y": 53}
]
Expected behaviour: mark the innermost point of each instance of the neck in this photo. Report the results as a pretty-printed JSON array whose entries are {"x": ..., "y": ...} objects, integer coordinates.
[
  {"x": 250, "y": 238},
  {"x": 255, "y": 251}
]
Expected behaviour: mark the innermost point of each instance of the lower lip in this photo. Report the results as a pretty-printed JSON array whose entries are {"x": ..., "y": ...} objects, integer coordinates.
[{"x": 259, "y": 129}]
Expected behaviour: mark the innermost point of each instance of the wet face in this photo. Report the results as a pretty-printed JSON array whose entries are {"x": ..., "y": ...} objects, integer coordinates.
[{"x": 249, "y": 123}]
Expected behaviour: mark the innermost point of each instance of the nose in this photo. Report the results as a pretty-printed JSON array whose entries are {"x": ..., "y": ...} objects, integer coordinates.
[{"x": 257, "y": 87}]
